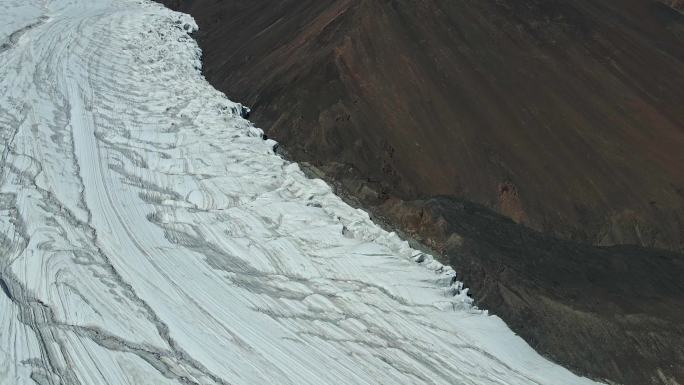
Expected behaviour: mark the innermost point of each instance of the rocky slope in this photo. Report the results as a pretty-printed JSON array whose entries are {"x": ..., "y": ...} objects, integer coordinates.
[
  {"x": 562, "y": 115},
  {"x": 614, "y": 313},
  {"x": 559, "y": 122}
]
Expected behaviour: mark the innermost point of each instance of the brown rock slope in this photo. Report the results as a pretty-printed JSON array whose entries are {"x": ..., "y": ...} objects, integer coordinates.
[{"x": 565, "y": 116}]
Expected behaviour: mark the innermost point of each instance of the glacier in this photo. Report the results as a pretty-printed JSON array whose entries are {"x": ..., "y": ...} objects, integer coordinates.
[{"x": 150, "y": 235}]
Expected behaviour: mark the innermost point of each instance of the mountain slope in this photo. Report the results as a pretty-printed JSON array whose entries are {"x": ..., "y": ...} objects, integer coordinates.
[{"x": 563, "y": 115}]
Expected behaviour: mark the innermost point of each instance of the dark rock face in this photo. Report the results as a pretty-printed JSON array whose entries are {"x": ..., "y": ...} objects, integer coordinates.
[
  {"x": 614, "y": 313},
  {"x": 516, "y": 137}
]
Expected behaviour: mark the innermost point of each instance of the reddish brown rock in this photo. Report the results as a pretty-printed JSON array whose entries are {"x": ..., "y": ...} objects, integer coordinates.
[{"x": 575, "y": 103}]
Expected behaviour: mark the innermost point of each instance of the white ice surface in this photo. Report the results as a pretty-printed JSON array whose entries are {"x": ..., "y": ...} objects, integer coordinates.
[{"x": 148, "y": 235}]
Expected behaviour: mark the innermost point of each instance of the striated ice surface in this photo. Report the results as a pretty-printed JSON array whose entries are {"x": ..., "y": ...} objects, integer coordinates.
[{"x": 148, "y": 235}]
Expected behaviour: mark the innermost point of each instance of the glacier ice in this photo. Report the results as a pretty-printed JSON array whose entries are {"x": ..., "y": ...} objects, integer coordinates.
[{"x": 149, "y": 234}]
